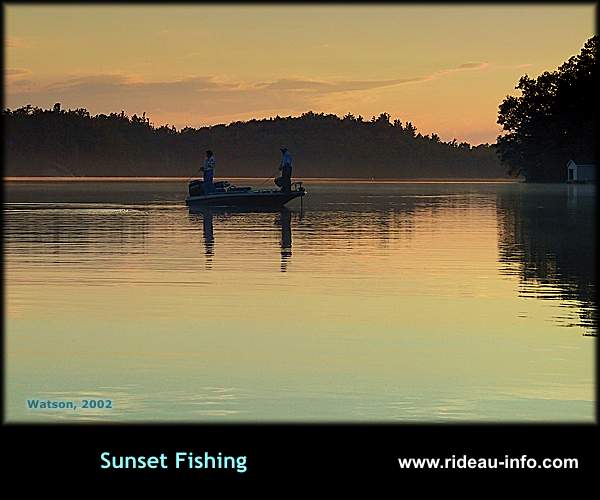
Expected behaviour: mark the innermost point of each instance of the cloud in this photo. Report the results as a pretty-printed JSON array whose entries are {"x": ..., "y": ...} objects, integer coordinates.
[
  {"x": 201, "y": 99},
  {"x": 473, "y": 65},
  {"x": 16, "y": 72},
  {"x": 117, "y": 82},
  {"x": 189, "y": 55},
  {"x": 469, "y": 66},
  {"x": 200, "y": 96},
  {"x": 16, "y": 42},
  {"x": 324, "y": 87}
]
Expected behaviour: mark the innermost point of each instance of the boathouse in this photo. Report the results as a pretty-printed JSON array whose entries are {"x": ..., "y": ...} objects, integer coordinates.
[{"x": 581, "y": 172}]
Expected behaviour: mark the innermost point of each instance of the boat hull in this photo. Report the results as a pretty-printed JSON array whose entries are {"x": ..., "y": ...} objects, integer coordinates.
[{"x": 255, "y": 199}]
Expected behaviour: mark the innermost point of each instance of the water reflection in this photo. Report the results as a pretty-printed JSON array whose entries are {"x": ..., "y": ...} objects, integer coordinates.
[
  {"x": 414, "y": 302},
  {"x": 283, "y": 219},
  {"x": 547, "y": 238},
  {"x": 73, "y": 229},
  {"x": 209, "y": 237},
  {"x": 285, "y": 222}
]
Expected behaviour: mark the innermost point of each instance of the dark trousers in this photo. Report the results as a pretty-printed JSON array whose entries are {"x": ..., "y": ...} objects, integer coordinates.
[
  {"x": 286, "y": 179},
  {"x": 285, "y": 183},
  {"x": 208, "y": 181}
]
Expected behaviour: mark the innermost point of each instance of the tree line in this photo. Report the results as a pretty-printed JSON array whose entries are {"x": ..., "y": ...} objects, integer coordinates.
[
  {"x": 73, "y": 142},
  {"x": 550, "y": 123},
  {"x": 553, "y": 120}
]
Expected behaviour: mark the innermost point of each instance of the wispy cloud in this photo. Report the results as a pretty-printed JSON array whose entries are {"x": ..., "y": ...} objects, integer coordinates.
[
  {"x": 196, "y": 53},
  {"x": 468, "y": 66},
  {"x": 16, "y": 72},
  {"x": 325, "y": 87},
  {"x": 122, "y": 82},
  {"x": 16, "y": 42},
  {"x": 473, "y": 65},
  {"x": 203, "y": 97},
  {"x": 321, "y": 86}
]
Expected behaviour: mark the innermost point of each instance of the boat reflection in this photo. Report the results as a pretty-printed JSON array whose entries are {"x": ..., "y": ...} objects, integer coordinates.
[{"x": 283, "y": 219}]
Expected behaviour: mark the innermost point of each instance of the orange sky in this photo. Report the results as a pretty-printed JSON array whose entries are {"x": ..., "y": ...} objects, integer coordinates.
[{"x": 443, "y": 67}]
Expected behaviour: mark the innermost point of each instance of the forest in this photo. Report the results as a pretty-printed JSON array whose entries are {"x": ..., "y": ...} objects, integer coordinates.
[
  {"x": 59, "y": 142},
  {"x": 553, "y": 120}
]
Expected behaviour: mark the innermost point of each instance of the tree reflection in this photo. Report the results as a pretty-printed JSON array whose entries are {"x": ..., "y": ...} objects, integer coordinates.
[{"x": 547, "y": 237}]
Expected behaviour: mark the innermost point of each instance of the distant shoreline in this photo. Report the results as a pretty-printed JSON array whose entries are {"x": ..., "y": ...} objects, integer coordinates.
[{"x": 305, "y": 179}]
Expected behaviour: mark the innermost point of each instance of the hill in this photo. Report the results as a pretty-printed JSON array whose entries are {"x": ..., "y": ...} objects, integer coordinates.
[{"x": 72, "y": 142}]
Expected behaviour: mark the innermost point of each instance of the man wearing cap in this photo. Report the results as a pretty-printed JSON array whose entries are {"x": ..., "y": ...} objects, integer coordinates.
[
  {"x": 209, "y": 169},
  {"x": 285, "y": 181}
]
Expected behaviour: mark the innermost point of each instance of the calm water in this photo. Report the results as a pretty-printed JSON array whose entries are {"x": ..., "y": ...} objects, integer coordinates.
[{"x": 377, "y": 302}]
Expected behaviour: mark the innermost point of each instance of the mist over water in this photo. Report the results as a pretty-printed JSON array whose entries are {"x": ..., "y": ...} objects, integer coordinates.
[{"x": 376, "y": 302}]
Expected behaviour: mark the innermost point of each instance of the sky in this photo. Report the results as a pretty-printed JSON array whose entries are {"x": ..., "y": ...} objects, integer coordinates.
[{"x": 445, "y": 68}]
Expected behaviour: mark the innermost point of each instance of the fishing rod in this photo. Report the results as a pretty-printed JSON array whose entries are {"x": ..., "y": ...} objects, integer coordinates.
[{"x": 269, "y": 178}]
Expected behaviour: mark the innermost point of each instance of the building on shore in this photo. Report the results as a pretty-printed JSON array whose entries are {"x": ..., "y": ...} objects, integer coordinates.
[{"x": 581, "y": 172}]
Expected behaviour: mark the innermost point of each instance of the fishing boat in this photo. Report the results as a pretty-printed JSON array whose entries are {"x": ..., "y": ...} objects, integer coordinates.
[{"x": 225, "y": 194}]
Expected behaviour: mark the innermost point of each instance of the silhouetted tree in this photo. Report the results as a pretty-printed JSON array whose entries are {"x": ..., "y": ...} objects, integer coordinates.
[
  {"x": 47, "y": 142},
  {"x": 553, "y": 120},
  {"x": 410, "y": 129}
]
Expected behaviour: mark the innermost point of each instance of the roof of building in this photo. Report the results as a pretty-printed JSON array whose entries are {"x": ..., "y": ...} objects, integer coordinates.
[{"x": 581, "y": 164}]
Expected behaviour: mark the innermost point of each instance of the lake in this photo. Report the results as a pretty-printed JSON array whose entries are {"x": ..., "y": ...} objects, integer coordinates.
[{"x": 374, "y": 302}]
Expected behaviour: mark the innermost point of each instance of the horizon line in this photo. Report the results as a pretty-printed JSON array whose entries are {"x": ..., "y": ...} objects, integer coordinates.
[{"x": 389, "y": 180}]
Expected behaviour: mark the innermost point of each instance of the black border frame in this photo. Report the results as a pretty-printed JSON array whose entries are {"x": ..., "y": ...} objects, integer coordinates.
[{"x": 52, "y": 456}]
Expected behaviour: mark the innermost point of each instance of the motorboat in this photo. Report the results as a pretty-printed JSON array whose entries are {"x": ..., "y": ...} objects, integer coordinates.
[{"x": 225, "y": 194}]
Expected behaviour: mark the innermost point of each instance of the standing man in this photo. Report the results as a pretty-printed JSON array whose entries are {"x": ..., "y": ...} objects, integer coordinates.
[
  {"x": 285, "y": 181},
  {"x": 209, "y": 169}
]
